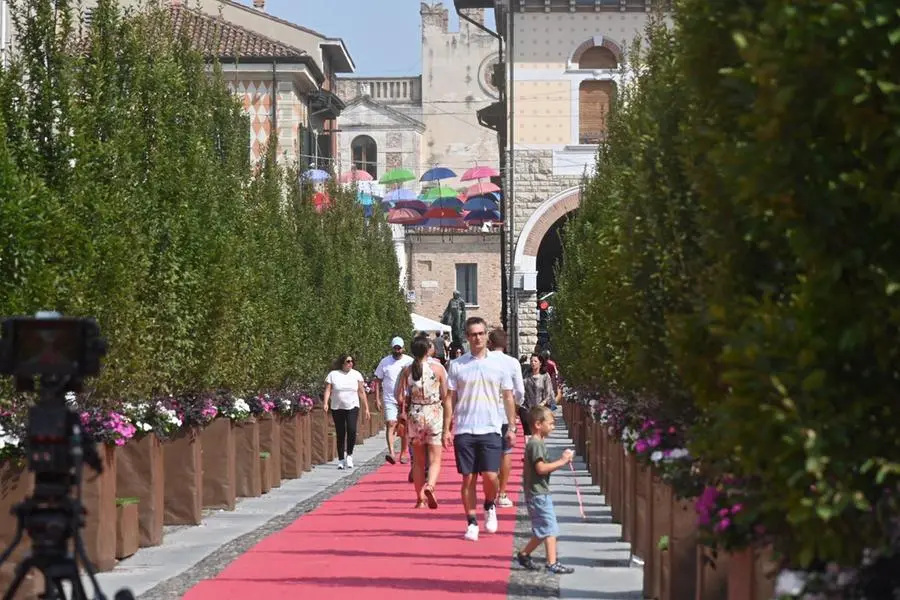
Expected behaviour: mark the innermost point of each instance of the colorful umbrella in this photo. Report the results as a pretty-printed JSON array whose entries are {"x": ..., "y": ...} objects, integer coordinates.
[
  {"x": 481, "y": 203},
  {"x": 404, "y": 216},
  {"x": 397, "y": 176},
  {"x": 356, "y": 175},
  {"x": 477, "y": 217},
  {"x": 437, "y": 173},
  {"x": 440, "y": 191},
  {"x": 479, "y": 173},
  {"x": 367, "y": 187},
  {"x": 454, "y": 204},
  {"x": 316, "y": 175},
  {"x": 417, "y": 205},
  {"x": 446, "y": 223},
  {"x": 400, "y": 194},
  {"x": 481, "y": 188}
]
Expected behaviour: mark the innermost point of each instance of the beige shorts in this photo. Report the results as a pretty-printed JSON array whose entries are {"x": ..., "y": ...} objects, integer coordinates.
[{"x": 425, "y": 423}]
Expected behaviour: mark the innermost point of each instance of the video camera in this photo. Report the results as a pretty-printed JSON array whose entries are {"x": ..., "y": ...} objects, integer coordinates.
[{"x": 52, "y": 355}]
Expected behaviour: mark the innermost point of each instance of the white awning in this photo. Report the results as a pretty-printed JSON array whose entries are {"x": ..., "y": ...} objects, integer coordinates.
[{"x": 421, "y": 323}]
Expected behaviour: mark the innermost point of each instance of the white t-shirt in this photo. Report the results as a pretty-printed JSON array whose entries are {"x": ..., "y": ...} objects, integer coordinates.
[
  {"x": 479, "y": 385},
  {"x": 388, "y": 370},
  {"x": 511, "y": 366},
  {"x": 344, "y": 389}
]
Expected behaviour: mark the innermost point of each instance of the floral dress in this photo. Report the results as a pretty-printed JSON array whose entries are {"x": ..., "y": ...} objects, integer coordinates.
[{"x": 426, "y": 412}]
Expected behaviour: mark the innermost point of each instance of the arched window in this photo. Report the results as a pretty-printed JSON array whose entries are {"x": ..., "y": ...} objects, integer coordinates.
[
  {"x": 595, "y": 98},
  {"x": 598, "y": 57},
  {"x": 365, "y": 154}
]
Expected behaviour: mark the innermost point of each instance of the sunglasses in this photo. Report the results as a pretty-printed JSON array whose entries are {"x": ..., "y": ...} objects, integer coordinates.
[{"x": 348, "y": 361}]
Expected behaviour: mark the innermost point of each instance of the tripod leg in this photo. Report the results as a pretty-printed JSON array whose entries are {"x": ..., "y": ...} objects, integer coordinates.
[
  {"x": 14, "y": 544},
  {"x": 21, "y": 572},
  {"x": 82, "y": 556}
]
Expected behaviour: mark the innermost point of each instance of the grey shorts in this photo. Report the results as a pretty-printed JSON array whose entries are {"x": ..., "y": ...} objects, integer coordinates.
[{"x": 542, "y": 515}]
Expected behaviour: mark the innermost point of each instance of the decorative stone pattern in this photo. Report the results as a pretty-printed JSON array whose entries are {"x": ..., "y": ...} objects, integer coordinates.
[
  {"x": 393, "y": 160},
  {"x": 256, "y": 98},
  {"x": 394, "y": 140}
]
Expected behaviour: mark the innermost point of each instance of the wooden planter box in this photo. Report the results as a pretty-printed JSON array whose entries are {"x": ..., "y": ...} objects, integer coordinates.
[
  {"x": 712, "y": 575},
  {"x": 184, "y": 478},
  {"x": 605, "y": 450},
  {"x": 291, "y": 448},
  {"x": 643, "y": 517},
  {"x": 678, "y": 564},
  {"x": 306, "y": 422},
  {"x": 616, "y": 487},
  {"x": 629, "y": 480},
  {"x": 655, "y": 579},
  {"x": 99, "y": 498},
  {"x": 15, "y": 484},
  {"x": 598, "y": 454},
  {"x": 219, "y": 459},
  {"x": 319, "y": 436},
  {"x": 748, "y": 576},
  {"x": 248, "y": 477},
  {"x": 265, "y": 471},
  {"x": 331, "y": 448},
  {"x": 270, "y": 441},
  {"x": 128, "y": 535},
  {"x": 140, "y": 473}
]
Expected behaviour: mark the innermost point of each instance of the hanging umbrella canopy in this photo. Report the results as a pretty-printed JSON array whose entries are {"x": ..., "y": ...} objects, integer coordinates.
[
  {"x": 445, "y": 223},
  {"x": 356, "y": 175},
  {"x": 479, "y": 173},
  {"x": 454, "y": 204},
  {"x": 416, "y": 205},
  {"x": 404, "y": 216},
  {"x": 437, "y": 173},
  {"x": 477, "y": 217},
  {"x": 481, "y": 188},
  {"x": 315, "y": 175},
  {"x": 484, "y": 202},
  {"x": 397, "y": 176},
  {"x": 441, "y": 191},
  {"x": 441, "y": 213},
  {"x": 400, "y": 194}
]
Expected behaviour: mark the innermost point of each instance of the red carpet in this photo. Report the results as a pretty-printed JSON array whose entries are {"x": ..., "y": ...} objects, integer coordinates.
[{"x": 368, "y": 543}]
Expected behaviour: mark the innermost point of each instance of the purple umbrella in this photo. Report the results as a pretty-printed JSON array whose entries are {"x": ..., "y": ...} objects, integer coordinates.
[{"x": 400, "y": 194}]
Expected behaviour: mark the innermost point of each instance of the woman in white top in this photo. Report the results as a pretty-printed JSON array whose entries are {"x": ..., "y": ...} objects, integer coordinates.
[
  {"x": 345, "y": 392},
  {"x": 422, "y": 394}
]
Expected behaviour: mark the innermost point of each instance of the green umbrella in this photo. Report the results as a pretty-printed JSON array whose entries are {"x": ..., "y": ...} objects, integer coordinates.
[
  {"x": 397, "y": 176},
  {"x": 442, "y": 191}
]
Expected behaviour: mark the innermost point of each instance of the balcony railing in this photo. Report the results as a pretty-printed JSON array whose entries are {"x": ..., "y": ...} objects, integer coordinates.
[
  {"x": 591, "y": 137},
  {"x": 586, "y": 5}
]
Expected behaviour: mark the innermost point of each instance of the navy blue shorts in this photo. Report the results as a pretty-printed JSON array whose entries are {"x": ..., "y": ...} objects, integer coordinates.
[{"x": 478, "y": 453}]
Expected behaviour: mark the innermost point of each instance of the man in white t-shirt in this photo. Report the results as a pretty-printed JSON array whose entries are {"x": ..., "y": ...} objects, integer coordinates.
[
  {"x": 386, "y": 374},
  {"x": 497, "y": 341},
  {"x": 477, "y": 384}
]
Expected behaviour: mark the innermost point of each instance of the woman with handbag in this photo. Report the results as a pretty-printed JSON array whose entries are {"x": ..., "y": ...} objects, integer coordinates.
[
  {"x": 422, "y": 394},
  {"x": 538, "y": 391}
]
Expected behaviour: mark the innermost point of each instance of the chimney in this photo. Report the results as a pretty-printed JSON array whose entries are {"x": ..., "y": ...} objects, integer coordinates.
[{"x": 259, "y": 4}]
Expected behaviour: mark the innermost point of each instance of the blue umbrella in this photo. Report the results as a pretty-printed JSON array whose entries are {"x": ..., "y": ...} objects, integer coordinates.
[
  {"x": 400, "y": 194},
  {"x": 437, "y": 173},
  {"x": 484, "y": 202},
  {"x": 481, "y": 216},
  {"x": 316, "y": 175},
  {"x": 456, "y": 223}
]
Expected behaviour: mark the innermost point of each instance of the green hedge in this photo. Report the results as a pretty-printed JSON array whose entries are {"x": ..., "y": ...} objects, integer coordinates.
[
  {"x": 736, "y": 258},
  {"x": 126, "y": 193}
]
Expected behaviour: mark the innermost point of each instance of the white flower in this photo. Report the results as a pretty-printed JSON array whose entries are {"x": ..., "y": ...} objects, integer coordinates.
[
  {"x": 656, "y": 456},
  {"x": 144, "y": 427},
  {"x": 70, "y": 397},
  {"x": 285, "y": 405},
  {"x": 679, "y": 453},
  {"x": 7, "y": 439}
]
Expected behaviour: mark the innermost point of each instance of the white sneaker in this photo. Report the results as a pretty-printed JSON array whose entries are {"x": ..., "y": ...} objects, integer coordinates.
[
  {"x": 472, "y": 533},
  {"x": 504, "y": 502},
  {"x": 490, "y": 520},
  {"x": 349, "y": 462},
  {"x": 340, "y": 465}
]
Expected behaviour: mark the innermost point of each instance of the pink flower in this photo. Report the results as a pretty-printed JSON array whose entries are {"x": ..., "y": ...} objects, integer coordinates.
[
  {"x": 723, "y": 512},
  {"x": 640, "y": 446},
  {"x": 723, "y": 525},
  {"x": 737, "y": 508},
  {"x": 672, "y": 430}
]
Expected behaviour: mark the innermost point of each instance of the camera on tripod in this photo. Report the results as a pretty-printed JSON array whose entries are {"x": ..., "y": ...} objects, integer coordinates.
[{"x": 51, "y": 355}]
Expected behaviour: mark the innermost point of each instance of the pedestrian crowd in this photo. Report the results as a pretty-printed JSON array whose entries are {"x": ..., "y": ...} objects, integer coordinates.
[{"x": 442, "y": 397}]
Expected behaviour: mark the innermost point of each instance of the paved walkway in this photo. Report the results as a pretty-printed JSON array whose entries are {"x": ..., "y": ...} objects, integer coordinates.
[{"x": 193, "y": 554}]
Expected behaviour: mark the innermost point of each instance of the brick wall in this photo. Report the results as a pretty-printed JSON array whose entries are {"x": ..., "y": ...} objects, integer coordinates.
[{"x": 433, "y": 258}]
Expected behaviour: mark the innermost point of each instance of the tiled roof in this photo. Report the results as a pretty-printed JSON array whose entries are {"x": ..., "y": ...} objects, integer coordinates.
[{"x": 214, "y": 36}]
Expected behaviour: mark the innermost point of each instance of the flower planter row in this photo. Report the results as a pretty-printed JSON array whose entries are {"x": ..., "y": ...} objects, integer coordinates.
[
  {"x": 148, "y": 483},
  {"x": 679, "y": 568}
]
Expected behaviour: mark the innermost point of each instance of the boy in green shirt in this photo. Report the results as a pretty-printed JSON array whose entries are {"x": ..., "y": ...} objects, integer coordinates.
[{"x": 544, "y": 527}]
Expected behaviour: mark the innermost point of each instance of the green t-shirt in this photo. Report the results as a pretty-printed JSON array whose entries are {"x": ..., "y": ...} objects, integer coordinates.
[{"x": 535, "y": 485}]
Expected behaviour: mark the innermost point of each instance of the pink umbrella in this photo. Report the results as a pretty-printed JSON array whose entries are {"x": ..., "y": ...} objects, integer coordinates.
[
  {"x": 404, "y": 216},
  {"x": 356, "y": 175},
  {"x": 479, "y": 173},
  {"x": 482, "y": 188}
]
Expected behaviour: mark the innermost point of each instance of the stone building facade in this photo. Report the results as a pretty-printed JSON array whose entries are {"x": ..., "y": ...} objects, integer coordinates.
[
  {"x": 562, "y": 72},
  {"x": 417, "y": 123}
]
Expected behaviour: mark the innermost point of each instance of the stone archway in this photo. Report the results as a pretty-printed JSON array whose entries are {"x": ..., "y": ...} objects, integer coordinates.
[{"x": 525, "y": 262}]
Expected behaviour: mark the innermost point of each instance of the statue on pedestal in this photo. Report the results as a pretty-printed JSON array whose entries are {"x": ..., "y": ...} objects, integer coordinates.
[{"x": 455, "y": 318}]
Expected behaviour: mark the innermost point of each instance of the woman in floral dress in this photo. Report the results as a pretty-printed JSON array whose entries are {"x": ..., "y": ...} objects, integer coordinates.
[{"x": 422, "y": 392}]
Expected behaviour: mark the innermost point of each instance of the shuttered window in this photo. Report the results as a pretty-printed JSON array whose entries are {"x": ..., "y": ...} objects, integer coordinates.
[{"x": 594, "y": 101}]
